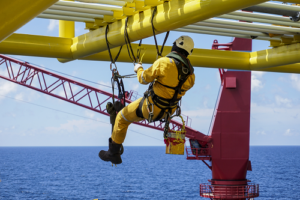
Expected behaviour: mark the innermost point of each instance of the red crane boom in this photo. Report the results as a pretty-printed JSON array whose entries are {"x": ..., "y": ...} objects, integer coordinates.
[{"x": 74, "y": 92}]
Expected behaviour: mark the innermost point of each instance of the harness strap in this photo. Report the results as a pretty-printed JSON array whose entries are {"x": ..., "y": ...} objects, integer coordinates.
[
  {"x": 174, "y": 88},
  {"x": 139, "y": 111},
  {"x": 160, "y": 101},
  {"x": 160, "y": 115}
]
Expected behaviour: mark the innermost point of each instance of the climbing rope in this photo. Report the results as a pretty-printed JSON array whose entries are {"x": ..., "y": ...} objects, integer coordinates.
[
  {"x": 159, "y": 53},
  {"x": 113, "y": 61},
  {"x": 139, "y": 51},
  {"x": 128, "y": 43},
  {"x": 115, "y": 74}
]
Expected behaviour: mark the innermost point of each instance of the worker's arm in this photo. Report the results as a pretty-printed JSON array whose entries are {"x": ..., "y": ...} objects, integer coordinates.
[
  {"x": 147, "y": 76},
  {"x": 190, "y": 82}
]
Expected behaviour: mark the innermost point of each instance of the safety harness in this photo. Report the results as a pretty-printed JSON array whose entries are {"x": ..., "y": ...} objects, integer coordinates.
[{"x": 185, "y": 69}]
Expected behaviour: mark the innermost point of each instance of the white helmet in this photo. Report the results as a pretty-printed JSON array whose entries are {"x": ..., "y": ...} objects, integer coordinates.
[{"x": 185, "y": 42}]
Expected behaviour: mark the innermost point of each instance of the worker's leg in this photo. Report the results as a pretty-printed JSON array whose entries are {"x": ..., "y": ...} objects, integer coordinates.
[
  {"x": 124, "y": 118},
  {"x": 128, "y": 115}
]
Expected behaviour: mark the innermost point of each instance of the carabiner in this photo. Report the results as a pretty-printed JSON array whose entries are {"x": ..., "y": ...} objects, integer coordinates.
[
  {"x": 151, "y": 114},
  {"x": 112, "y": 69}
]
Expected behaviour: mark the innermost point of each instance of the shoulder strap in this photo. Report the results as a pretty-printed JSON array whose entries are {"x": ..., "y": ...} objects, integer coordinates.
[{"x": 182, "y": 59}]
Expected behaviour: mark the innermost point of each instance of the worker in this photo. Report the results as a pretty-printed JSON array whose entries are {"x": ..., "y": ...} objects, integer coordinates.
[{"x": 170, "y": 78}]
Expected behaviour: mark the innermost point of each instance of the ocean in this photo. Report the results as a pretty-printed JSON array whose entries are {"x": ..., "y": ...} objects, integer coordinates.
[{"x": 146, "y": 173}]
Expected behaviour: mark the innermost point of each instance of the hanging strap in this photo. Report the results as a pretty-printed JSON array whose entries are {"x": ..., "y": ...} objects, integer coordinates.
[
  {"x": 113, "y": 61},
  {"x": 128, "y": 43},
  {"x": 159, "y": 53}
]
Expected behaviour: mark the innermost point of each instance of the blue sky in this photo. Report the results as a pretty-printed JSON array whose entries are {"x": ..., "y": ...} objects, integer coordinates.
[{"x": 275, "y": 103}]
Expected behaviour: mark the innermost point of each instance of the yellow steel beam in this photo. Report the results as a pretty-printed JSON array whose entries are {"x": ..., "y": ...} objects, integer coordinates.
[
  {"x": 294, "y": 1},
  {"x": 55, "y": 47},
  {"x": 170, "y": 15},
  {"x": 66, "y": 28},
  {"x": 35, "y": 45},
  {"x": 283, "y": 55},
  {"x": 16, "y": 13}
]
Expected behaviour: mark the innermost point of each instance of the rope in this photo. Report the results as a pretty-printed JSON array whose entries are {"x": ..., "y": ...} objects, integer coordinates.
[
  {"x": 128, "y": 43},
  {"x": 113, "y": 61},
  {"x": 159, "y": 53}
]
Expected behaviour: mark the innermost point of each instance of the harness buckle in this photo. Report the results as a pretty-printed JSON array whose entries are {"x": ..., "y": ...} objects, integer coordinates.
[{"x": 151, "y": 114}]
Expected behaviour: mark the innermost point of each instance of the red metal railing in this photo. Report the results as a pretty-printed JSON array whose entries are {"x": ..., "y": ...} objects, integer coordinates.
[
  {"x": 198, "y": 154},
  {"x": 72, "y": 91},
  {"x": 229, "y": 192}
]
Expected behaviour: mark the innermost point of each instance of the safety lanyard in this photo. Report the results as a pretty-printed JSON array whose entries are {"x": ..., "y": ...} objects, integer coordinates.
[
  {"x": 116, "y": 78},
  {"x": 159, "y": 53}
]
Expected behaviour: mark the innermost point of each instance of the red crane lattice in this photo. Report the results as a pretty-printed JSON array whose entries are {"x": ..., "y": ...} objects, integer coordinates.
[{"x": 72, "y": 91}]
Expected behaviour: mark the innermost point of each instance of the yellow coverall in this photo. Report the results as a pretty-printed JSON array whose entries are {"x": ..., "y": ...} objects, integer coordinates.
[{"x": 164, "y": 70}]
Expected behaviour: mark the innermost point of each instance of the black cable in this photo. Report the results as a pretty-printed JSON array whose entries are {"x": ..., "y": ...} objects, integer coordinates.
[
  {"x": 159, "y": 53},
  {"x": 138, "y": 51},
  {"x": 128, "y": 43},
  {"x": 109, "y": 52},
  {"x": 72, "y": 114}
]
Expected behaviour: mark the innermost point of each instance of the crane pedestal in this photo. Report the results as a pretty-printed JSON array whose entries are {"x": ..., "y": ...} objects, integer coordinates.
[{"x": 228, "y": 150}]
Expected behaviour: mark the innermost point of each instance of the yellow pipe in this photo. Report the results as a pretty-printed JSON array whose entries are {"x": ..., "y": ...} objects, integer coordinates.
[
  {"x": 35, "y": 45},
  {"x": 16, "y": 13},
  {"x": 66, "y": 28},
  {"x": 55, "y": 47},
  {"x": 294, "y": 1},
  {"x": 170, "y": 15},
  {"x": 284, "y": 55}
]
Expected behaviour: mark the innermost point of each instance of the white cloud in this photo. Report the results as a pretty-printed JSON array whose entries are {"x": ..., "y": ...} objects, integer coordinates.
[
  {"x": 290, "y": 132},
  {"x": 7, "y": 87},
  {"x": 256, "y": 82},
  {"x": 207, "y": 87},
  {"x": 199, "y": 113},
  {"x": 52, "y": 24},
  {"x": 261, "y": 133},
  {"x": 205, "y": 102},
  {"x": 89, "y": 114},
  {"x": 295, "y": 78},
  {"x": 135, "y": 87},
  {"x": 103, "y": 85},
  {"x": 282, "y": 101},
  {"x": 19, "y": 96},
  {"x": 78, "y": 126}
]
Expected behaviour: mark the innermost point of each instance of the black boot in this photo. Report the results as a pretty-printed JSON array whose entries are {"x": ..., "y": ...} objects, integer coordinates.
[{"x": 113, "y": 154}]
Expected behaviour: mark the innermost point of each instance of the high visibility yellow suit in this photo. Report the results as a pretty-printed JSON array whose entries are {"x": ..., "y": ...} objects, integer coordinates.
[{"x": 163, "y": 71}]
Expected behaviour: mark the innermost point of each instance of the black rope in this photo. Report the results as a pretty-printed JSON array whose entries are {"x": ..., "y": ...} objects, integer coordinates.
[
  {"x": 115, "y": 74},
  {"x": 159, "y": 53},
  {"x": 109, "y": 52},
  {"x": 128, "y": 43},
  {"x": 138, "y": 51}
]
